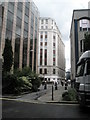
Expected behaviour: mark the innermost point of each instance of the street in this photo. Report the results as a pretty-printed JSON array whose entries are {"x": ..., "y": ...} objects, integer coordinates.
[{"x": 18, "y": 109}]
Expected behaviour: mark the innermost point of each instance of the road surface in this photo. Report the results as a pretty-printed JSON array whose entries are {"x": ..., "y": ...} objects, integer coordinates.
[{"x": 18, "y": 109}]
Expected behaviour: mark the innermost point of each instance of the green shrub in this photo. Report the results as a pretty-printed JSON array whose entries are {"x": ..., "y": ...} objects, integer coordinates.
[
  {"x": 26, "y": 71},
  {"x": 15, "y": 85},
  {"x": 20, "y": 81},
  {"x": 35, "y": 84},
  {"x": 71, "y": 95},
  {"x": 24, "y": 84},
  {"x": 9, "y": 83}
]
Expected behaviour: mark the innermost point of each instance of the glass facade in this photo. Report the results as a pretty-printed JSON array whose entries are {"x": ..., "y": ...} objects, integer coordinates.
[
  {"x": 19, "y": 25},
  {"x": 9, "y": 24},
  {"x": 17, "y": 52},
  {"x": 0, "y": 27}
]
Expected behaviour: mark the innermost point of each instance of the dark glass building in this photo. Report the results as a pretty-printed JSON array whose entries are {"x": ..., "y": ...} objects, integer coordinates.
[{"x": 20, "y": 21}]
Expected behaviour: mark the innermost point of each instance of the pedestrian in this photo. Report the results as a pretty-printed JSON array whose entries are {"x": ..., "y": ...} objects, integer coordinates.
[
  {"x": 61, "y": 82},
  {"x": 45, "y": 85}
]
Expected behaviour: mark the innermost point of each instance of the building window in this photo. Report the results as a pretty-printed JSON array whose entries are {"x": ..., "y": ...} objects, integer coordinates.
[
  {"x": 45, "y": 32},
  {"x": 45, "y": 57},
  {"x": 11, "y": 7},
  {"x": 45, "y": 43},
  {"x": 53, "y": 61},
  {"x": 41, "y": 43},
  {"x": 40, "y": 71},
  {"x": 19, "y": 13},
  {"x": 24, "y": 61},
  {"x": 54, "y": 37},
  {"x": 41, "y": 51},
  {"x": 46, "y": 21},
  {"x": 41, "y": 32},
  {"x": 88, "y": 29},
  {"x": 54, "y": 45},
  {"x": 81, "y": 45},
  {"x": 46, "y": 27},
  {"x": 41, "y": 27},
  {"x": 41, "y": 21},
  {"x": 45, "y": 71},
  {"x": 17, "y": 52},
  {"x": 52, "y": 21},
  {"x": 10, "y": 16},
  {"x": 54, "y": 72},
  {"x": 45, "y": 36},
  {"x": 20, "y": 5},
  {"x": 53, "y": 53},
  {"x": 85, "y": 29},
  {"x": 41, "y": 36},
  {"x": 80, "y": 28}
]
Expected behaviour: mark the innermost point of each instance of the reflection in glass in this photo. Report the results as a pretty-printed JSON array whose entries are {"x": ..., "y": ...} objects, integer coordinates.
[
  {"x": 10, "y": 16},
  {"x": 24, "y": 63},
  {"x": 31, "y": 51},
  {"x": 80, "y": 69},
  {"x": 17, "y": 52},
  {"x": 11, "y": 7},
  {"x": 8, "y": 34}
]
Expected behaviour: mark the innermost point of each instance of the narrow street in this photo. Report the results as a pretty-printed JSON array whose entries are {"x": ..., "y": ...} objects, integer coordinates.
[
  {"x": 17, "y": 109},
  {"x": 27, "y": 106}
]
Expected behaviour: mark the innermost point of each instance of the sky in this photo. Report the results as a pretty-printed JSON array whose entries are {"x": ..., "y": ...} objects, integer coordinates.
[{"x": 61, "y": 11}]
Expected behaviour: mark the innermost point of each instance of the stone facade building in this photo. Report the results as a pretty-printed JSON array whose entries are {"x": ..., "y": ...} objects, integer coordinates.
[{"x": 51, "y": 51}]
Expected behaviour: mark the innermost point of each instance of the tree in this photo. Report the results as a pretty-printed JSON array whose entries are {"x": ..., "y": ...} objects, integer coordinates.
[
  {"x": 87, "y": 42},
  {"x": 7, "y": 56}
]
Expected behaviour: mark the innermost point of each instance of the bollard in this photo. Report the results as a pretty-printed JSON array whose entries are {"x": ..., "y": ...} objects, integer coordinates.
[
  {"x": 52, "y": 93},
  {"x": 65, "y": 85}
]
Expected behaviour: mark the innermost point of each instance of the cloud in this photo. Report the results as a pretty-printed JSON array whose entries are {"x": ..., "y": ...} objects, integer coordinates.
[
  {"x": 67, "y": 54},
  {"x": 61, "y": 11}
]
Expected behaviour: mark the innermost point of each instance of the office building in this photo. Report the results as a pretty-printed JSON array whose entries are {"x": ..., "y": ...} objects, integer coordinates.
[
  {"x": 79, "y": 26},
  {"x": 89, "y": 5},
  {"x": 51, "y": 51},
  {"x": 20, "y": 23}
]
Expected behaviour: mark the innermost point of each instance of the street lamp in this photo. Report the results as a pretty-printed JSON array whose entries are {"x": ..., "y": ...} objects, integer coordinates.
[{"x": 52, "y": 92}]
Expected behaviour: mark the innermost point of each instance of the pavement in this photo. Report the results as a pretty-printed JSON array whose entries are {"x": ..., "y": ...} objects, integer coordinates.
[
  {"x": 57, "y": 96},
  {"x": 44, "y": 95}
]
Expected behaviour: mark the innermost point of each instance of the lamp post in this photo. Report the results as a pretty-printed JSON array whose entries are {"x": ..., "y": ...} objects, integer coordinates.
[{"x": 52, "y": 92}]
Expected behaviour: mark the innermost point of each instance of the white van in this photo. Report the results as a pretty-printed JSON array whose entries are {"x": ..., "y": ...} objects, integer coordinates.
[{"x": 83, "y": 79}]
